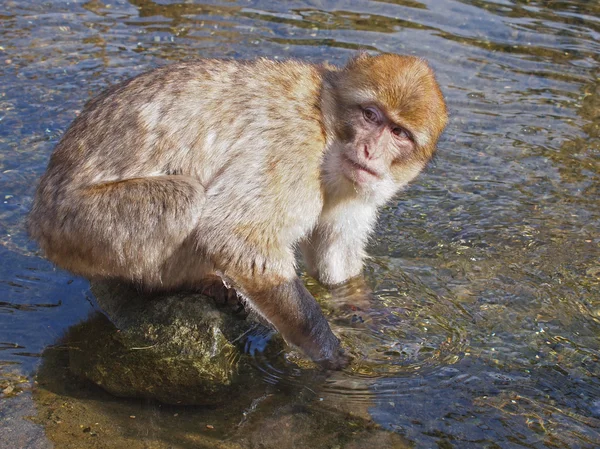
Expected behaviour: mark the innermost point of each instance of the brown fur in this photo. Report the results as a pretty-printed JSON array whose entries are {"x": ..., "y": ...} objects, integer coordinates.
[{"x": 222, "y": 167}]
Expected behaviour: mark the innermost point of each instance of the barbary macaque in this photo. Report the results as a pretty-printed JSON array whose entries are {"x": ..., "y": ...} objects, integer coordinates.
[{"x": 222, "y": 168}]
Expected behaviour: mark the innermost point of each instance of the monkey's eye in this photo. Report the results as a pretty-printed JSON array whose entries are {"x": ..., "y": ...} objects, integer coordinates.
[
  {"x": 398, "y": 131},
  {"x": 371, "y": 115}
]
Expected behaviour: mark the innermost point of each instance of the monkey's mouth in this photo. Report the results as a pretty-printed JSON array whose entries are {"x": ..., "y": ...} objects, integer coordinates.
[{"x": 358, "y": 172}]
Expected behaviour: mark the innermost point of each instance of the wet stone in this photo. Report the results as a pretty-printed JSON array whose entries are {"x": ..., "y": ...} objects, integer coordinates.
[{"x": 177, "y": 349}]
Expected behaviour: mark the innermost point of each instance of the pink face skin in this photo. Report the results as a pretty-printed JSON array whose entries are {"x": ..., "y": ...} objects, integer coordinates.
[{"x": 377, "y": 142}]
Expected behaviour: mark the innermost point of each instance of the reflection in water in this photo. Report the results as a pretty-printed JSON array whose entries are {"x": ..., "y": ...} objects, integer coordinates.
[{"x": 483, "y": 326}]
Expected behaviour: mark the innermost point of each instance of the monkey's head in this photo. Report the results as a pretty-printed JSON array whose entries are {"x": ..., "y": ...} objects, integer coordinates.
[{"x": 388, "y": 115}]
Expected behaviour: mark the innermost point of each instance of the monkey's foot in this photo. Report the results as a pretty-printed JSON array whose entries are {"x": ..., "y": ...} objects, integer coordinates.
[
  {"x": 214, "y": 288},
  {"x": 351, "y": 302},
  {"x": 351, "y": 296}
]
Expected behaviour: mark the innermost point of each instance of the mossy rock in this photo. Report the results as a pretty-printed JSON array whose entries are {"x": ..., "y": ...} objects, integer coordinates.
[{"x": 177, "y": 348}]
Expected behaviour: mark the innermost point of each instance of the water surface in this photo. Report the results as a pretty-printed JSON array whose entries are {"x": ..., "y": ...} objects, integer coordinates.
[{"x": 487, "y": 268}]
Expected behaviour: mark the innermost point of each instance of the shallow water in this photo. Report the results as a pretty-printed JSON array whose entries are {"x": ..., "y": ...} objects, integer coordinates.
[{"x": 486, "y": 270}]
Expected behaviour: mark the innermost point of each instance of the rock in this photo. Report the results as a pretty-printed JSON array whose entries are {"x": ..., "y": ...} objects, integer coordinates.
[
  {"x": 177, "y": 348},
  {"x": 181, "y": 349}
]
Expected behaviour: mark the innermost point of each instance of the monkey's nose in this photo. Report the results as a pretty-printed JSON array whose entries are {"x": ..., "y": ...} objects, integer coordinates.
[{"x": 367, "y": 152}]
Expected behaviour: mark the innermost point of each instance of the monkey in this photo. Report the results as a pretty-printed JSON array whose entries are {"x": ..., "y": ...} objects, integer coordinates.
[{"x": 221, "y": 169}]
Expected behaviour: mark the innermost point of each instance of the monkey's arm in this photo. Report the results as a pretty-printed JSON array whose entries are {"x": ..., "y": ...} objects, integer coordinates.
[
  {"x": 335, "y": 250},
  {"x": 266, "y": 277},
  {"x": 288, "y": 305}
]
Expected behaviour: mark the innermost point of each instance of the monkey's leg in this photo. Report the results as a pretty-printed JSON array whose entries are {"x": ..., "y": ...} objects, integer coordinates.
[
  {"x": 125, "y": 229},
  {"x": 293, "y": 311},
  {"x": 335, "y": 251}
]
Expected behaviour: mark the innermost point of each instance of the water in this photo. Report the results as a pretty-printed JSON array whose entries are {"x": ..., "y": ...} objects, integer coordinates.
[{"x": 487, "y": 268}]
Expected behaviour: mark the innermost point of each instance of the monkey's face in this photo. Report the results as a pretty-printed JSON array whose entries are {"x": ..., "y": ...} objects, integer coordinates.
[
  {"x": 390, "y": 115},
  {"x": 373, "y": 155},
  {"x": 375, "y": 144}
]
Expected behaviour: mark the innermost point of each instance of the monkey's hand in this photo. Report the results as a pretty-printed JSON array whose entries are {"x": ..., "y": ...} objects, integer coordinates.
[{"x": 337, "y": 362}]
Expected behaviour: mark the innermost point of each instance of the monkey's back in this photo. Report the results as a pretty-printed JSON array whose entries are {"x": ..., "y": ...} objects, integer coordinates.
[
  {"x": 249, "y": 132},
  {"x": 171, "y": 119}
]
